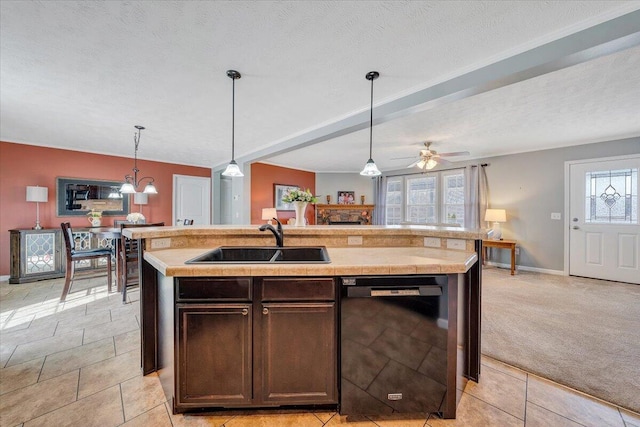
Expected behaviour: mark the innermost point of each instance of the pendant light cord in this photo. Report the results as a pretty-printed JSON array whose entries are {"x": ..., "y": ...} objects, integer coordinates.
[
  {"x": 233, "y": 117},
  {"x": 371, "y": 124}
]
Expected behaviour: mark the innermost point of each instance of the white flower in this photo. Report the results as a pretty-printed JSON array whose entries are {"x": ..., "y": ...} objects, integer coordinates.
[
  {"x": 295, "y": 195},
  {"x": 135, "y": 217}
]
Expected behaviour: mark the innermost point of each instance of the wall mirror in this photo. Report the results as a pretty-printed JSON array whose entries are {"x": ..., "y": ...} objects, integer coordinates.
[{"x": 77, "y": 196}]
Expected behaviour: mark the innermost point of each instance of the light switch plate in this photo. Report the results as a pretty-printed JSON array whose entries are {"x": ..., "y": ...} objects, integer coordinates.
[
  {"x": 556, "y": 215},
  {"x": 354, "y": 240},
  {"x": 456, "y": 244},
  {"x": 162, "y": 243},
  {"x": 432, "y": 242}
]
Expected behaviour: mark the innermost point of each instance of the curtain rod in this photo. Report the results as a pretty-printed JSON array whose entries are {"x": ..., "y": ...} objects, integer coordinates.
[{"x": 439, "y": 170}]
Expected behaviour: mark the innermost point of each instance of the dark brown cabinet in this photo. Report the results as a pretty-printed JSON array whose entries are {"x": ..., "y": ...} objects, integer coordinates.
[
  {"x": 214, "y": 350},
  {"x": 298, "y": 345},
  {"x": 250, "y": 342}
]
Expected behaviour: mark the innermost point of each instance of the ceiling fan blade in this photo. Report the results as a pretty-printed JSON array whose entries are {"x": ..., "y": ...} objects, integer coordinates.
[
  {"x": 414, "y": 163},
  {"x": 402, "y": 158},
  {"x": 456, "y": 153},
  {"x": 442, "y": 161}
]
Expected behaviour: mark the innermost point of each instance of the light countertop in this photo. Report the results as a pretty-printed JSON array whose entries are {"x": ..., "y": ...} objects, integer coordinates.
[{"x": 344, "y": 261}]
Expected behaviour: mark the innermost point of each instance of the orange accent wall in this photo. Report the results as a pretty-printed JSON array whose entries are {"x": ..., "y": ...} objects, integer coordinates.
[
  {"x": 263, "y": 177},
  {"x": 22, "y": 165}
]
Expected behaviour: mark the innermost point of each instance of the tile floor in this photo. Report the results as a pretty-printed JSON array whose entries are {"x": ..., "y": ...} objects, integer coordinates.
[{"x": 77, "y": 364}]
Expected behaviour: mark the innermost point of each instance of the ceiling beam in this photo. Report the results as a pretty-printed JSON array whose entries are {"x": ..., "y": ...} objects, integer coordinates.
[{"x": 603, "y": 39}]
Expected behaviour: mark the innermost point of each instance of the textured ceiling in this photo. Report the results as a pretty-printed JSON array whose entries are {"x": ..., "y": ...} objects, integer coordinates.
[{"x": 80, "y": 75}]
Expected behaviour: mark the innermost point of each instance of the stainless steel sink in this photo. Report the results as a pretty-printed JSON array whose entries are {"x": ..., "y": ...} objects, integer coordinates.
[{"x": 264, "y": 255}]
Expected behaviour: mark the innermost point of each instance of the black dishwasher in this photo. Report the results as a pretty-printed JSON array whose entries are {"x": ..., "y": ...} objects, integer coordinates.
[{"x": 393, "y": 355}]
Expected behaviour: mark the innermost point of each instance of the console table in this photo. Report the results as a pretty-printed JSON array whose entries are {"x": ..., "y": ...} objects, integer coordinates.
[
  {"x": 40, "y": 254},
  {"x": 500, "y": 244}
]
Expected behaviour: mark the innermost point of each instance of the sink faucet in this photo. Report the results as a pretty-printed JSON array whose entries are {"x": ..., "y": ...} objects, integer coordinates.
[{"x": 279, "y": 235}]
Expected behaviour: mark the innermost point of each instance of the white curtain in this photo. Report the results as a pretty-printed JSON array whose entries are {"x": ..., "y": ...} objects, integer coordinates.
[
  {"x": 379, "y": 196},
  {"x": 476, "y": 195}
]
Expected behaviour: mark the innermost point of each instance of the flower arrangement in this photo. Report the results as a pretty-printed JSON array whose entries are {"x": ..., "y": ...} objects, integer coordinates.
[
  {"x": 135, "y": 217},
  {"x": 94, "y": 214},
  {"x": 297, "y": 195}
]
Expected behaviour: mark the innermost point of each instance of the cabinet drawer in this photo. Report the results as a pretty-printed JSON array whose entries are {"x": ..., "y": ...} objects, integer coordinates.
[
  {"x": 298, "y": 289},
  {"x": 209, "y": 289}
]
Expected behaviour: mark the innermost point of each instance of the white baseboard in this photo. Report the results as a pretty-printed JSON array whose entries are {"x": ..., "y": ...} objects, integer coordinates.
[
  {"x": 442, "y": 323},
  {"x": 526, "y": 268},
  {"x": 4, "y": 278}
]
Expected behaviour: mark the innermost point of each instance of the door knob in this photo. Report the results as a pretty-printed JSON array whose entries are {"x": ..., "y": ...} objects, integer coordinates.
[
  {"x": 245, "y": 311},
  {"x": 575, "y": 220},
  {"x": 265, "y": 311},
  {"x": 575, "y": 227}
]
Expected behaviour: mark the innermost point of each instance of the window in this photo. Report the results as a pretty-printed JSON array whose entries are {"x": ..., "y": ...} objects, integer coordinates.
[
  {"x": 433, "y": 198},
  {"x": 453, "y": 198},
  {"x": 393, "y": 213},
  {"x": 612, "y": 197}
]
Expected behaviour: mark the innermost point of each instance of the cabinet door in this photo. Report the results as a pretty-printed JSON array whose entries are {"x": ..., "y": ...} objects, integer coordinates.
[
  {"x": 214, "y": 355},
  {"x": 36, "y": 255},
  {"x": 298, "y": 361}
]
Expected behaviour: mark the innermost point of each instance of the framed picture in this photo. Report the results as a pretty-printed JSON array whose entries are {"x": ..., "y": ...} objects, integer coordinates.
[
  {"x": 346, "y": 197},
  {"x": 278, "y": 191}
]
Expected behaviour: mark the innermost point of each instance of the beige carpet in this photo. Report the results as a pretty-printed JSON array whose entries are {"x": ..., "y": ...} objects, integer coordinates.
[{"x": 583, "y": 333}]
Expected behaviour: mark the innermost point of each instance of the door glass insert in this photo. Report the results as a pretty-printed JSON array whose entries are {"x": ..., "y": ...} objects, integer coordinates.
[{"x": 612, "y": 196}]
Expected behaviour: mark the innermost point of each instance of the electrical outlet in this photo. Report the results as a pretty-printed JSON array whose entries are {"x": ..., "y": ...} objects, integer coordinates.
[
  {"x": 456, "y": 244},
  {"x": 517, "y": 251},
  {"x": 354, "y": 240},
  {"x": 432, "y": 242},
  {"x": 163, "y": 243},
  {"x": 556, "y": 215}
]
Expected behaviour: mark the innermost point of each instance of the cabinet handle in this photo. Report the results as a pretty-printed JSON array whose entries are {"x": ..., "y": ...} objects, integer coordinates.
[
  {"x": 245, "y": 311},
  {"x": 265, "y": 310}
]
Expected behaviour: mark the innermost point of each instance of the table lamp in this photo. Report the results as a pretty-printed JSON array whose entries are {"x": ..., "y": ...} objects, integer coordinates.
[
  {"x": 37, "y": 194},
  {"x": 140, "y": 199},
  {"x": 268, "y": 214},
  {"x": 496, "y": 216}
]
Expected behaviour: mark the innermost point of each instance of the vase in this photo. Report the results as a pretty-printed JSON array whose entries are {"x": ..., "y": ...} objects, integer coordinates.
[
  {"x": 95, "y": 222},
  {"x": 300, "y": 208}
]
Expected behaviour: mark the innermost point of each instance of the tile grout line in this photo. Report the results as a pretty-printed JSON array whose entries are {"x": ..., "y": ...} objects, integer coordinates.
[
  {"x": 526, "y": 398},
  {"x": 560, "y": 415}
]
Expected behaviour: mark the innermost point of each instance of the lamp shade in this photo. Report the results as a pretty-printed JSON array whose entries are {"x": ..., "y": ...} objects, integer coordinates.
[
  {"x": 268, "y": 213},
  {"x": 140, "y": 198},
  {"x": 37, "y": 194},
  {"x": 495, "y": 215}
]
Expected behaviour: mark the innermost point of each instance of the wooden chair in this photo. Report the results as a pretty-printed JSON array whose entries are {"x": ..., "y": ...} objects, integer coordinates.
[
  {"x": 75, "y": 255},
  {"x": 129, "y": 258}
]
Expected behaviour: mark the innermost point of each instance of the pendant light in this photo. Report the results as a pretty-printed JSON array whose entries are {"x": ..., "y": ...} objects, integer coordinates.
[
  {"x": 131, "y": 182},
  {"x": 370, "y": 169},
  {"x": 232, "y": 169}
]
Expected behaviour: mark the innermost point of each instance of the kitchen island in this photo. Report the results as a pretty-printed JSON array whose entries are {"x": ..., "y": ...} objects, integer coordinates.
[{"x": 269, "y": 311}]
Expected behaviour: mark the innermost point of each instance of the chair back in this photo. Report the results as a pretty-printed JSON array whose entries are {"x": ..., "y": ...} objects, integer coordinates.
[{"x": 69, "y": 243}]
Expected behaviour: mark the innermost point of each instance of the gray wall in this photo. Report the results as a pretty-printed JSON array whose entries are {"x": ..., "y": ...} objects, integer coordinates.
[
  {"x": 331, "y": 183},
  {"x": 530, "y": 186}
]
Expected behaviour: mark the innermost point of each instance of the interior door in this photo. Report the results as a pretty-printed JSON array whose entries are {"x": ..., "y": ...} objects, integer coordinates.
[
  {"x": 604, "y": 235},
  {"x": 192, "y": 199}
]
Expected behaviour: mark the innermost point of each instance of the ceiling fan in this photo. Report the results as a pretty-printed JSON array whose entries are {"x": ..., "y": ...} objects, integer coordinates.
[{"x": 431, "y": 158}]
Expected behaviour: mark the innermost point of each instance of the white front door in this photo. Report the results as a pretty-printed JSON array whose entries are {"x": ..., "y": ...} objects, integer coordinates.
[
  {"x": 604, "y": 232},
  {"x": 192, "y": 199}
]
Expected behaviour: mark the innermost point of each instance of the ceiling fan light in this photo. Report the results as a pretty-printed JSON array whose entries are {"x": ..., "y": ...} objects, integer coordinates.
[
  {"x": 421, "y": 164},
  {"x": 370, "y": 169},
  {"x": 430, "y": 164},
  {"x": 232, "y": 170}
]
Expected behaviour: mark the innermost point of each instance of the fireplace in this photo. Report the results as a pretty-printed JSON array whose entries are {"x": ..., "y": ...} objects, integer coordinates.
[{"x": 344, "y": 214}]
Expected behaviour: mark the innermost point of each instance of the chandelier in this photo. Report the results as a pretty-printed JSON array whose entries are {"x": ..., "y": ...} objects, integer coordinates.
[{"x": 131, "y": 182}]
